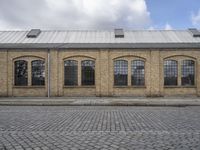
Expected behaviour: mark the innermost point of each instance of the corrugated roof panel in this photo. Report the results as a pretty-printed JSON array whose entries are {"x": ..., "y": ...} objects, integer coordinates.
[
  {"x": 130, "y": 36},
  {"x": 67, "y": 36},
  {"x": 167, "y": 37},
  {"x": 147, "y": 36},
  {"x": 154, "y": 37},
  {"x": 160, "y": 37},
  {"x": 11, "y": 36},
  {"x": 77, "y": 38},
  {"x": 84, "y": 38},
  {"x": 47, "y": 37},
  {"x": 95, "y": 37},
  {"x": 184, "y": 37},
  {"x": 3, "y": 36},
  {"x": 1, "y": 33},
  {"x": 53, "y": 37},
  {"x": 60, "y": 38},
  {"x": 102, "y": 37},
  {"x": 181, "y": 37},
  {"x": 21, "y": 37},
  {"x": 43, "y": 38}
]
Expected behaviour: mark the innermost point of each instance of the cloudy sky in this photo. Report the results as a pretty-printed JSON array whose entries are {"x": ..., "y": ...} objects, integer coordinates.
[{"x": 99, "y": 14}]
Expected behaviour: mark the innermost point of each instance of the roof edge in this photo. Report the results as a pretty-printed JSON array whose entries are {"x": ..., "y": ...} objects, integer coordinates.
[{"x": 100, "y": 45}]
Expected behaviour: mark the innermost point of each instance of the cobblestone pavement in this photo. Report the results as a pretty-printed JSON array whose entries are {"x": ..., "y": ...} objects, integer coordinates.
[{"x": 99, "y": 127}]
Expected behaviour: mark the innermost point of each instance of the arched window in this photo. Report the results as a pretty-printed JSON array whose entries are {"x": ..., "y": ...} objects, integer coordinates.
[
  {"x": 187, "y": 72},
  {"x": 88, "y": 72},
  {"x": 21, "y": 73},
  {"x": 137, "y": 72},
  {"x": 38, "y": 72},
  {"x": 170, "y": 72},
  {"x": 71, "y": 72},
  {"x": 120, "y": 72}
]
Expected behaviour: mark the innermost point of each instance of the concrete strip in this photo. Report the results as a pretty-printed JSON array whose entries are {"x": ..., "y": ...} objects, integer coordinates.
[{"x": 95, "y": 101}]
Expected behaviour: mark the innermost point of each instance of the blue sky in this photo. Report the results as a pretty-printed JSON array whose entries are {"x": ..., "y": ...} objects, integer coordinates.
[
  {"x": 177, "y": 13},
  {"x": 99, "y": 14}
]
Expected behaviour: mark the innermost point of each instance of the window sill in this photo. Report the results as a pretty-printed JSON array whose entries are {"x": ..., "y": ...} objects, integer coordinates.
[
  {"x": 28, "y": 86},
  {"x": 129, "y": 86},
  {"x": 83, "y": 86},
  {"x": 179, "y": 86}
]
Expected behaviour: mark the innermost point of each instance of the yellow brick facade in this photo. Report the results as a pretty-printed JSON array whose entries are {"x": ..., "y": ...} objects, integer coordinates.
[{"x": 104, "y": 72}]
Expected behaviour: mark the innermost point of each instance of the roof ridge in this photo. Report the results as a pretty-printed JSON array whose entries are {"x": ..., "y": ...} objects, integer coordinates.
[{"x": 93, "y": 30}]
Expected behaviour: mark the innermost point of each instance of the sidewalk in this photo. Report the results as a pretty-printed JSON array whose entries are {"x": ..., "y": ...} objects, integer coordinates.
[{"x": 102, "y": 101}]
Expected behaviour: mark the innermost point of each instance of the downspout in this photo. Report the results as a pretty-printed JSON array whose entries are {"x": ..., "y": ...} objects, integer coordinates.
[{"x": 48, "y": 59}]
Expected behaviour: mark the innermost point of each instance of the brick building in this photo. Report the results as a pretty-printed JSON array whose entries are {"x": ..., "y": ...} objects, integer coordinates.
[{"x": 100, "y": 63}]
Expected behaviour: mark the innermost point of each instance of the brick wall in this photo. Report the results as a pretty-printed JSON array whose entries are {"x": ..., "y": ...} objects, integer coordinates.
[{"x": 104, "y": 80}]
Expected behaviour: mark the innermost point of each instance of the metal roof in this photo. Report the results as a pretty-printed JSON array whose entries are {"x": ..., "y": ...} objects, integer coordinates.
[{"x": 100, "y": 39}]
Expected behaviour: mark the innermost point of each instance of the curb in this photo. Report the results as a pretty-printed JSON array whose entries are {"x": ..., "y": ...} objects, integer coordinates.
[{"x": 112, "y": 103}]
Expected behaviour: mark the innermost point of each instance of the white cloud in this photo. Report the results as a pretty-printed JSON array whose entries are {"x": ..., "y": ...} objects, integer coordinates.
[
  {"x": 75, "y": 14},
  {"x": 168, "y": 26},
  {"x": 196, "y": 19},
  {"x": 151, "y": 28},
  {"x": 2, "y": 25}
]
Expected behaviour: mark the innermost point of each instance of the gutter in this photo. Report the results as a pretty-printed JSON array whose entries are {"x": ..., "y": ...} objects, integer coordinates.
[
  {"x": 48, "y": 63},
  {"x": 101, "y": 45}
]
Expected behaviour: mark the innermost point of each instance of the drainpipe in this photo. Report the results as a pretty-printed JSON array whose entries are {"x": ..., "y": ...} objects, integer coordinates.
[{"x": 48, "y": 59}]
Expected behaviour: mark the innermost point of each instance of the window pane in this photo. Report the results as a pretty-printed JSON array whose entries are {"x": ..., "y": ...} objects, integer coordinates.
[
  {"x": 120, "y": 72},
  {"x": 188, "y": 71},
  {"x": 71, "y": 72},
  {"x": 21, "y": 73},
  {"x": 38, "y": 72},
  {"x": 88, "y": 72},
  {"x": 170, "y": 72},
  {"x": 137, "y": 72}
]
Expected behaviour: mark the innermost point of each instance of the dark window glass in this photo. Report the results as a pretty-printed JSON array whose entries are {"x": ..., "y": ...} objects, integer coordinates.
[
  {"x": 120, "y": 72},
  {"x": 71, "y": 72},
  {"x": 21, "y": 73},
  {"x": 188, "y": 71},
  {"x": 137, "y": 72},
  {"x": 88, "y": 72},
  {"x": 38, "y": 72},
  {"x": 170, "y": 72}
]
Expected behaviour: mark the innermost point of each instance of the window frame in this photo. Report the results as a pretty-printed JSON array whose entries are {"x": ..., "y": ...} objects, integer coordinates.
[
  {"x": 194, "y": 69},
  {"x": 29, "y": 60},
  {"x": 94, "y": 73},
  {"x": 31, "y": 63},
  {"x": 132, "y": 62},
  {"x": 122, "y": 85},
  {"x": 177, "y": 71},
  {"x": 179, "y": 60},
  {"x": 77, "y": 64},
  {"x": 14, "y": 75}
]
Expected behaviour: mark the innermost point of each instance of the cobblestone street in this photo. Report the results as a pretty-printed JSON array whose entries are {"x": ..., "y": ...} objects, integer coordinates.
[{"x": 99, "y": 127}]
